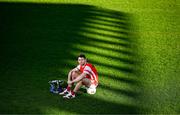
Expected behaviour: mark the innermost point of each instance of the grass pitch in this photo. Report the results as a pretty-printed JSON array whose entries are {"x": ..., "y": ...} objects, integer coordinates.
[{"x": 134, "y": 46}]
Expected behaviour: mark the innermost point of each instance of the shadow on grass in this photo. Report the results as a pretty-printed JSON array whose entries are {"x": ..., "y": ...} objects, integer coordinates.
[{"x": 37, "y": 39}]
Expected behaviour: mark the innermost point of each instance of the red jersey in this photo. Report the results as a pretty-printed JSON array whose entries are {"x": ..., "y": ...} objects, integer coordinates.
[{"x": 90, "y": 70}]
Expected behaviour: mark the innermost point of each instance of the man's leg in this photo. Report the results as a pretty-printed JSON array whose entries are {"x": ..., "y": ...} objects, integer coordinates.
[
  {"x": 71, "y": 75},
  {"x": 78, "y": 86},
  {"x": 71, "y": 94},
  {"x": 84, "y": 81}
]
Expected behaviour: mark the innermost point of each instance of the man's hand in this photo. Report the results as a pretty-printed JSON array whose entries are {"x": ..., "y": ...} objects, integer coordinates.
[
  {"x": 80, "y": 77},
  {"x": 77, "y": 79},
  {"x": 69, "y": 82}
]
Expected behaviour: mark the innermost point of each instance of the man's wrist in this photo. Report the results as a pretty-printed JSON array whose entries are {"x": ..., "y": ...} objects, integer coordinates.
[{"x": 72, "y": 81}]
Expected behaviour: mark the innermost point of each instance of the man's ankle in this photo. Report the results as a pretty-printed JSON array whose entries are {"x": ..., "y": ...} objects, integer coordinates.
[
  {"x": 72, "y": 92},
  {"x": 68, "y": 88}
]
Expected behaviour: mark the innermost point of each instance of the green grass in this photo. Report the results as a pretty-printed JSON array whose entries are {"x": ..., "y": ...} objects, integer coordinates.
[{"x": 133, "y": 44}]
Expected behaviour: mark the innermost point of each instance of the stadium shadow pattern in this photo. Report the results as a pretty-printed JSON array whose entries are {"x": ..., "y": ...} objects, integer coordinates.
[{"x": 40, "y": 42}]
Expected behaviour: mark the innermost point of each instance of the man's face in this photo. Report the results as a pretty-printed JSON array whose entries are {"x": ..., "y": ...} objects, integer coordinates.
[{"x": 81, "y": 61}]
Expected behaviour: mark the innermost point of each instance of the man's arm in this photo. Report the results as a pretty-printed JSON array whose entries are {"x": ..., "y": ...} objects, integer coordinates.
[
  {"x": 75, "y": 70},
  {"x": 79, "y": 78}
]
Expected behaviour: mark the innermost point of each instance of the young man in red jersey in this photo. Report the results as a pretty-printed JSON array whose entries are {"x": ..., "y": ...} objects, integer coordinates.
[{"x": 84, "y": 74}]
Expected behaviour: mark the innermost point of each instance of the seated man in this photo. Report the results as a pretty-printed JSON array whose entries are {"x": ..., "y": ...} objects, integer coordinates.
[{"x": 84, "y": 74}]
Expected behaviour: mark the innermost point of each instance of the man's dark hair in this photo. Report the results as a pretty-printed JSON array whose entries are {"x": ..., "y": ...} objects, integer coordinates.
[{"x": 82, "y": 55}]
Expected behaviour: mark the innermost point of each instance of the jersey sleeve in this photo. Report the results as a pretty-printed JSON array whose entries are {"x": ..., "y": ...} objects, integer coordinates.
[{"x": 87, "y": 70}]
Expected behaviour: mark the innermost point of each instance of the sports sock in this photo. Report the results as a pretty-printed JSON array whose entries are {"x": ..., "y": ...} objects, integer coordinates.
[
  {"x": 72, "y": 92},
  {"x": 68, "y": 88}
]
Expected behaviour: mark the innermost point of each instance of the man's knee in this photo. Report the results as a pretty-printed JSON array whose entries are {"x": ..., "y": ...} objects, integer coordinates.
[{"x": 74, "y": 74}]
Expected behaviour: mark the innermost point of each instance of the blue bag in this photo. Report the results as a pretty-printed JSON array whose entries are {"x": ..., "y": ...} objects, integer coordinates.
[{"x": 56, "y": 86}]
